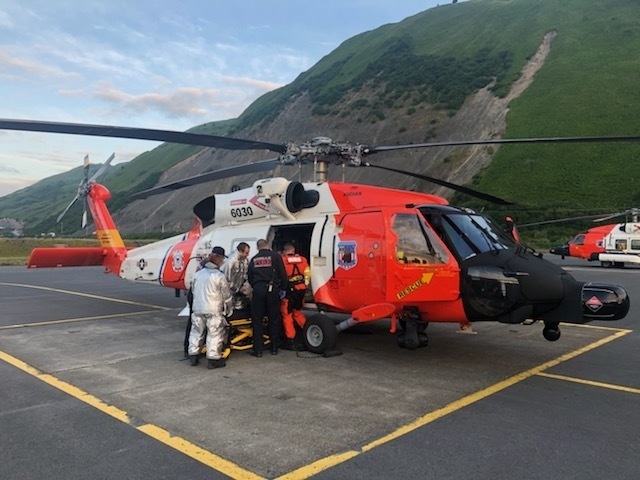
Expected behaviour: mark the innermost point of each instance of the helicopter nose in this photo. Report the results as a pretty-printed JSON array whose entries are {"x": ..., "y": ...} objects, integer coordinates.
[
  {"x": 604, "y": 302},
  {"x": 562, "y": 250}
]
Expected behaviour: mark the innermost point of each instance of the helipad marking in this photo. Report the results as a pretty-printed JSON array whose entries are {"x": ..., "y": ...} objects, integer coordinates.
[
  {"x": 328, "y": 462},
  {"x": 183, "y": 446},
  {"x": 88, "y": 295},
  {"x": 592, "y": 383}
]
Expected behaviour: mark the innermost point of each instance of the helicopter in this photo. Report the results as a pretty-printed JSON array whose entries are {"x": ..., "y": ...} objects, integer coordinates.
[
  {"x": 375, "y": 252},
  {"x": 612, "y": 245}
]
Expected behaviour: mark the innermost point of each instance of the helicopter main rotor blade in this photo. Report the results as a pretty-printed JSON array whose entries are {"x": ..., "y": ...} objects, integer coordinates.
[
  {"x": 452, "y": 186},
  {"x": 601, "y": 139},
  {"x": 169, "y": 136},
  {"x": 595, "y": 218},
  {"x": 262, "y": 166},
  {"x": 608, "y": 217}
]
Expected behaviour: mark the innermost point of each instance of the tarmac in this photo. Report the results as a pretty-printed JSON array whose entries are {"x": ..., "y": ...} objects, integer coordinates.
[{"x": 95, "y": 387}]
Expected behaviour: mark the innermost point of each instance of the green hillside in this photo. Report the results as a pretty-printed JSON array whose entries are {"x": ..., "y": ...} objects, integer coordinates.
[
  {"x": 437, "y": 58},
  {"x": 588, "y": 86}
]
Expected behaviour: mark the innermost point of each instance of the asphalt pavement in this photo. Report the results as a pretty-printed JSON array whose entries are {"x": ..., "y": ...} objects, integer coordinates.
[{"x": 95, "y": 386}]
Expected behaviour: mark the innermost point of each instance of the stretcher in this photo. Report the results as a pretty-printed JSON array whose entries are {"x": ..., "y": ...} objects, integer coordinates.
[{"x": 240, "y": 333}]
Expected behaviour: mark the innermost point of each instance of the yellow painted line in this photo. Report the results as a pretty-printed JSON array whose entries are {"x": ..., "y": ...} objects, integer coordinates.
[
  {"x": 331, "y": 461},
  {"x": 66, "y": 388},
  {"x": 88, "y": 295},
  {"x": 595, "y": 327},
  {"x": 592, "y": 383},
  {"x": 319, "y": 465},
  {"x": 72, "y": 320},
  {"x": 199, "y": 454},
  {"x": 177, "y": 443}
]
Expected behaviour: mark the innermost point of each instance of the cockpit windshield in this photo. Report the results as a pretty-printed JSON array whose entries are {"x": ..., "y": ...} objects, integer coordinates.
[{"x": 467, "y": 233}]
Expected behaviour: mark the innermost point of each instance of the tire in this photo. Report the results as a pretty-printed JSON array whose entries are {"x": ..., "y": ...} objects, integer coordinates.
[
  {"x": 319, "y": 334},
  {"x": 551, "y": 333},
  {"x": 606, "y": 264}
]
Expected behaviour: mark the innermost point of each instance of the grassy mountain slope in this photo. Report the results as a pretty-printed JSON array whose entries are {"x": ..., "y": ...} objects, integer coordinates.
[
  {"x": 587, "y": 87},
  {"x": 414, "y": 75}
]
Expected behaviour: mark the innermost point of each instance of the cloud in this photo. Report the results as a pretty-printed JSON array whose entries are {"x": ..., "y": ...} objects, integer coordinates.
[
  {"x": 252, "y": 83},
  {"x": 182, "y": 102},
  {"x": 11, "y": 63}
]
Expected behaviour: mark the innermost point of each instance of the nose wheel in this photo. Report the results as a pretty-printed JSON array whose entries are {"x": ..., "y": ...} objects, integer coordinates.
[
  {"x": 413, "y": 333},
  {"x": 551, "y": 332},
  {"x": 319, "y": 334}
]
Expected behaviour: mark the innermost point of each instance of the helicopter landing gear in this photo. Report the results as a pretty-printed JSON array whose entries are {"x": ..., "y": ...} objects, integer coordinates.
[
  {"x": 319, "y": 334},
  {"x": 551, "y": 332},
  {"x": 413, "y": 330}
]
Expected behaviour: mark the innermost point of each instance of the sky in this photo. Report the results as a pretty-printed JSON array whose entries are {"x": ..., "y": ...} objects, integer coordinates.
[{"x": 156, "y": 64}]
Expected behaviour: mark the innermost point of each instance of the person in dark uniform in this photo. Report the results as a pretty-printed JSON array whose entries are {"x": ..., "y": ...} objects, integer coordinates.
[{"x": 268, "y": 278}]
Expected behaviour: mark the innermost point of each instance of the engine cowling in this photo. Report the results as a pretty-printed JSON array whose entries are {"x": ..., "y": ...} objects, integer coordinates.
[{"x": 270, "y": 196}]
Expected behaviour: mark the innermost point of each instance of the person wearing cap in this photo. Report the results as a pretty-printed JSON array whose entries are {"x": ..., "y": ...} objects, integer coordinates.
[
  {"x": 268, "y": 279},
  {"x": 212, "y": 303}
]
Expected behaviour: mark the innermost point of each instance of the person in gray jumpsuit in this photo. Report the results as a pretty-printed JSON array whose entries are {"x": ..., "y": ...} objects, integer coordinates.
[{"x": 212, "y": 303}]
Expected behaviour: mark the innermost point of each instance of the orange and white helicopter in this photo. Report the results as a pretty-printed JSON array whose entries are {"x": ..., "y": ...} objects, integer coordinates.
[
  {"x": 612, "y": 245},
  {"x": 374, "y": 252}
]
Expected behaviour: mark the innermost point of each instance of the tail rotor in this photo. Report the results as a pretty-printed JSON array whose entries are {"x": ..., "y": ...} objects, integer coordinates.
[{"x": 85, "y": 187}]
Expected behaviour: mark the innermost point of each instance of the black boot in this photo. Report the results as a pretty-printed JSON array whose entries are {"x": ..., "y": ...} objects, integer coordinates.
[
  {"x": 218, "y": 363},
  {"x": 194, "y": 360}
]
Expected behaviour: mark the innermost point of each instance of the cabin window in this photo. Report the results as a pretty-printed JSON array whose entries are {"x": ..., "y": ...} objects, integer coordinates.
[
  {"x": 621, "y": 244},
  {"x": 417, "y": 244},
  {"x": 635, "y": 244}
]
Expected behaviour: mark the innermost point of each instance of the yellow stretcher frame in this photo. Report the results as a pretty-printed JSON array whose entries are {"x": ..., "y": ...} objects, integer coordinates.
[{"x": 240, "y": 336}]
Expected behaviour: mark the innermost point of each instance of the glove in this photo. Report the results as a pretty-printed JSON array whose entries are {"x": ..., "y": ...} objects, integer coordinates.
[{"x": 283, "y": 293}]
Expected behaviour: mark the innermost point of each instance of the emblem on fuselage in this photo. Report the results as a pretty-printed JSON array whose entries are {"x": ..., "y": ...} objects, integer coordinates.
[
  {"x": 177, "y": 261},
  {"x": 347, "y": 255}
]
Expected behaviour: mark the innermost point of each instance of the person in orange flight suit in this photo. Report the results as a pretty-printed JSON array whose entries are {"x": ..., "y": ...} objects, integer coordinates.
[{"x": 299, "y": 277}]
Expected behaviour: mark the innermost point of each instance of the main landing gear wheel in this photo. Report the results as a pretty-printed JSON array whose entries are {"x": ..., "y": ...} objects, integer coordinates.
[
  {"x": 319, "y": 334},
  {"x": 551, "y": 332}
]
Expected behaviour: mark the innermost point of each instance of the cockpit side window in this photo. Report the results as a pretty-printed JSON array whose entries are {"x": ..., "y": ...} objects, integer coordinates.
[
  {"x": 417, "y": 244},
  {"x": 578, "y": 240}
]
